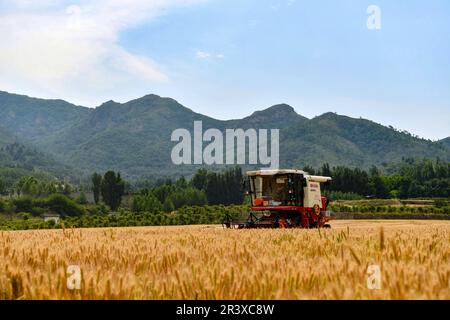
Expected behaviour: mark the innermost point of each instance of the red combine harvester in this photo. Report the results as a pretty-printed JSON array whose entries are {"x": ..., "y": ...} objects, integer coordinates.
[{"x": 284, "y": 199}]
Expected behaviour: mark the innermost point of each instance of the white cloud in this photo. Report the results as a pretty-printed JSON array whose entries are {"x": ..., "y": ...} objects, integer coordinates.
[
  {"x": 203, "y": 55},
  {"x": 206, "y": 55},
  {"x": 280, "y": 4},
  {"x": 62, "y": 48}
]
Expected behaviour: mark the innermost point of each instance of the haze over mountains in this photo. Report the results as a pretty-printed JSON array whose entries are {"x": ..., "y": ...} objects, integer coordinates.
[{"x": 134, "y": 137}]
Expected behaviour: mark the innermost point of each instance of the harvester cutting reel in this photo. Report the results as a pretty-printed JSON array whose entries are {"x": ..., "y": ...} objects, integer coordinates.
[
  {"x": 254, "y": 220},
  {"x": 267, "y": 219}
]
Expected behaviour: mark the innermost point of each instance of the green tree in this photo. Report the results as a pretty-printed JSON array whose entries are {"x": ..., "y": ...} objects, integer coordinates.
[
  {"x": 10, "y": 209},
  {"x": 112, "y": 189},
  {"x": 188, "y": 197},
  {"x": 23, "y": 204},
  {"x": 63, "y": 205},
  {"x": 82, "y": 198},
  {"x": 325, "y": 170},
  {"x": 163, "y": 191},
  {"x": 223, "y": 188},
  {"x": 146, "y": 203},
  {"x": 200, "y": 179},
  {"x": 181, "y": 183},
  {"x": 63, "y": 187},
  {"x": 27, "y": 186},
  {"x": 168, "y": 206},
  {"x": 377, "y": 184},
  {"x": 309, "y": 169},
  {"x": 96, "y": 186},
  {"x": 2, "y": 187}
]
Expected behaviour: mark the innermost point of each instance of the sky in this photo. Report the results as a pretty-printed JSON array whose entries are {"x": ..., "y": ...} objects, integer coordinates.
[{"x": 229, "y": 58}]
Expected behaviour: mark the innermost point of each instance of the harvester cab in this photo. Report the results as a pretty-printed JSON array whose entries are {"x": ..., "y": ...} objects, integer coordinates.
[{"x": 285, "y": 199}]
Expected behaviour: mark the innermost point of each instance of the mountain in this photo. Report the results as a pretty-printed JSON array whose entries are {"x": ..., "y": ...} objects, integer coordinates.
[
  {"x": 6, "y": 137},
  {"x": 278, "y": 116},
  {"x": 35, "y": 119},
  {"x": 17, "y": 159},
  {"x": 343, "y": 140},
  {"x": 135, "y": 137},
  {"x": 445, "y": 141}
]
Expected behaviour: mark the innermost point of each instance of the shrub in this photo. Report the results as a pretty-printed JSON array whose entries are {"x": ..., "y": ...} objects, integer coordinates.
[
  {"x": 63, "y": 205},
  {"x": 439, "y": 203},
  {"x": 23, "y": 204},
  {"x": 82, "y": 198},
  {"x": 24, "y": 216},
  {"x": 339, "y": 195},
  {"x": 188, "y": 196},
  {"x": 168, "y": 205},
  {"x": 37, "y": 211},
  {"x": 147, "y": 202}
]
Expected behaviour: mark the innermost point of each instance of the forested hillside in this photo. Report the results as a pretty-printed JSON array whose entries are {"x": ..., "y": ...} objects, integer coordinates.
[{"x": 134, "y": 137}]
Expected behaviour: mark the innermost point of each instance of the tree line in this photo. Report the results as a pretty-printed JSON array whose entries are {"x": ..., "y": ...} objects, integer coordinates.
[
  {"x": 205, "y": 187},
  {"x": 410, "y": 178}
]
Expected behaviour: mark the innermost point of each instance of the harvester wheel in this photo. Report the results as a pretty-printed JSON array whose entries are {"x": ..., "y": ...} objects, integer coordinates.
[{"x": 327, "y": 226}]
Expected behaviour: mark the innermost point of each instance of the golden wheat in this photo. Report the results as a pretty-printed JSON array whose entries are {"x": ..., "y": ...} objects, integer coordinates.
[{"x": 208, "y": 262}]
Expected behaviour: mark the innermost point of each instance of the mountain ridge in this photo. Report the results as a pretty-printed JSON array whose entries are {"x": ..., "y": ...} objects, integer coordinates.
[
  {"x": 274, "y": 108},
  {"x": 134, "y": 137},
  {"x": 49, "y": 116},
  {"x": 445, "y": 141}
]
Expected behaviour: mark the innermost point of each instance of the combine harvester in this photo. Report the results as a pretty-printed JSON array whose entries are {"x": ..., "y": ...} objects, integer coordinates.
[{"x": 284, "y": 199}]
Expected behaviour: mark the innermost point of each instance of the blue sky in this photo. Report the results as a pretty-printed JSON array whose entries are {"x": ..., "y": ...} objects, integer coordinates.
[{"x": 228, "y": 58}]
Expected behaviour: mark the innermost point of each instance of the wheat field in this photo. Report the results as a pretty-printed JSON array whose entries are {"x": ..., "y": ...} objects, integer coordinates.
[{"x": 209, "y": 262}]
